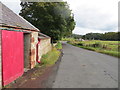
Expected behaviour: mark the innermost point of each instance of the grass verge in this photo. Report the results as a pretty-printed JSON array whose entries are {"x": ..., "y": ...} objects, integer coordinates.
[
  {"x": 108, "y": 52},
  {"x": 50, "y": 58},
  {"x": 59, "y": 45}
]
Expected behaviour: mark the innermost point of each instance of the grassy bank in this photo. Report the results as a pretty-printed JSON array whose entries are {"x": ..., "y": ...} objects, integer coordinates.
[
  {"x": 51, "y": 57},
  {"x": 59, "y": 45},
  {"x": 106, "y": 47}
]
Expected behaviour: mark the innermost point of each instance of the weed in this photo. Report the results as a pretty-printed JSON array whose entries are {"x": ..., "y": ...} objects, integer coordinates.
[
  {"x": 59, "y": 45},
  {"x": 50, "y": 58}
]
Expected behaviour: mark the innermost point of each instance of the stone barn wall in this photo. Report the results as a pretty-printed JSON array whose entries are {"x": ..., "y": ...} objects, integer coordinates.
[
  {"x": 34, "y": 41},
  {"x": 44, "y": 46}
]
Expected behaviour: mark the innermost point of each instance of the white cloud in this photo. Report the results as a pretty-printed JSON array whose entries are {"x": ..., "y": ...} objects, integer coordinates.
[
  {"x": 90, "y": 15},
  {"x": 95, "y": 15},
  {"x": 83, "y": 31},
  {"x": 14, "y": 5}
]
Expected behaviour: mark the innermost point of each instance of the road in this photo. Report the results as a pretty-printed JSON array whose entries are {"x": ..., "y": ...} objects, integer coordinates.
[{"x": 80, "y": 68}]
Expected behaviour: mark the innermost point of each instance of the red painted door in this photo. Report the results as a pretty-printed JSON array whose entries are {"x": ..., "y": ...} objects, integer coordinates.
[{"x": 12, "y": 56}]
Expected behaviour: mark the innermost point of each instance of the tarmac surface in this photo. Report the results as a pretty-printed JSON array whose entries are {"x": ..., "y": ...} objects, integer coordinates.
[
  {"x": 75, "y": 68},
  {"x": 80, "y": 68}
]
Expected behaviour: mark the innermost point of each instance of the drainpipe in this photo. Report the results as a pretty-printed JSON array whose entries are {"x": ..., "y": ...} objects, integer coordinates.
[{"x": 37, "y": 50}]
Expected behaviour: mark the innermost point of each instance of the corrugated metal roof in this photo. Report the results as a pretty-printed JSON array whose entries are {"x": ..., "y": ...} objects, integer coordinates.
[{"x": 9, "y": 18}]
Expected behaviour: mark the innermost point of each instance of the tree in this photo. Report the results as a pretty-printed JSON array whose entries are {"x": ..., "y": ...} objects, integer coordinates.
[
  {"x": 76, "y": 36},
  {"x": 112, "y": 36},
  {"x": 91, "y": 36},
  {"x": 54, "y": 19}
]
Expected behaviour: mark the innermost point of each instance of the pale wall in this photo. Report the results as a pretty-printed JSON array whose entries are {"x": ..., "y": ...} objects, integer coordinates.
[
  {"x": 34, "y": 41},
  {"x": 44, "y": 47}
]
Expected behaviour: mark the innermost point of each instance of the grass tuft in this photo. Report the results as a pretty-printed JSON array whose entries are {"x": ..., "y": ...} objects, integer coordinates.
[
  {"x": 50, "y": 58},
  {"x": 59, "y": 45}
]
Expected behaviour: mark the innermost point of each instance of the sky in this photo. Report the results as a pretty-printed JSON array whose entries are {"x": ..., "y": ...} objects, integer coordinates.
[{"x": 96, "y": 16}]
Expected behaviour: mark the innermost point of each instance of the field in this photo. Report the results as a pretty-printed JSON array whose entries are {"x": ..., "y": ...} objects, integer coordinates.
[{"x": 107, "y": 47}]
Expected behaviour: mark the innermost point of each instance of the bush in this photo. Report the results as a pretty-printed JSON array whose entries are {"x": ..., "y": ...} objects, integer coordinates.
[
  {"x": 96, "y": 45},
  {"x": 80, "y": 44},
  {"x": 104, "y": 46}
]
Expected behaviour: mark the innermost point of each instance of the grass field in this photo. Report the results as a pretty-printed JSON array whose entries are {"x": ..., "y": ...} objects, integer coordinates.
[{"x": 107, "y": 47}]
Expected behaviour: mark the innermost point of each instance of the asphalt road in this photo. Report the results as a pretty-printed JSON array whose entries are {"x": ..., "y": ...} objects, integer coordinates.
[{"x": 80, "y": 68}]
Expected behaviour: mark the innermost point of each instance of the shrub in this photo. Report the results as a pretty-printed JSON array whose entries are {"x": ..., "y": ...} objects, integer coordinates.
[
  {"x": 96, "y": 45},
  {"x": 80, "y": 44},
  {"x": 104, "y": 46}
]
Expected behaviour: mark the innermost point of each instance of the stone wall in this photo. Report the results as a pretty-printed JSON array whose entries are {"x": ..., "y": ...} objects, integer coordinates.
[
  {"x": 44, "y": 47},
  {"x": 34, "y": 41}
]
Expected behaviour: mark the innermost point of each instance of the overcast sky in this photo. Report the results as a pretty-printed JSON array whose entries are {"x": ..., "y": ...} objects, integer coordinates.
[{"x": 96, "y": 16}]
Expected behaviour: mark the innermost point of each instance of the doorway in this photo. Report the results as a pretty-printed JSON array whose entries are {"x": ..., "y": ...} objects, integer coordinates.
[{"x": 27, "y": 49}]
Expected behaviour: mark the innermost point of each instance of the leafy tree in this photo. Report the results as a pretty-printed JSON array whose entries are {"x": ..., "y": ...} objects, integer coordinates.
[
  {"x": 76, "y": 36},
  {"x": 90, "y": 36},
  {"x": 113, "y": 36},
  {"x": 54, "y": 19}
]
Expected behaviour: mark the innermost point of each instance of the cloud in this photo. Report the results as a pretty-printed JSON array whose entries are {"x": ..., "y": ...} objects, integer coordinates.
[
  {"x": 83, "y": 31},
  {"x": 95, "y": 15},
  {"x": 14, "y": 5},
  {"x": 90, "y": 15}
]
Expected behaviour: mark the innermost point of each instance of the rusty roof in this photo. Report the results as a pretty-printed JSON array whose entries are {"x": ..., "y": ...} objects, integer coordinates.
[{"x": 9, "y": 18}]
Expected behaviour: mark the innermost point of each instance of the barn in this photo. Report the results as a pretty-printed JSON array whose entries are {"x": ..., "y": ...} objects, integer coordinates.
[{"x": 21, "y": 45}]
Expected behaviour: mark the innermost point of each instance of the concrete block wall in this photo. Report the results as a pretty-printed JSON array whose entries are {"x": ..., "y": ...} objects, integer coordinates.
[
  {"x": 44, "y": 47},
  {"x": 34, "y": 41}
]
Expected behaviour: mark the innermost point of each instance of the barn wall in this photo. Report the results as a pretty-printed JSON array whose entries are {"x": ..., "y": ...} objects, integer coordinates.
[
  {"x": 0, "y": 63},
  {"x": 34, "y": 41},
  {"x": 44, "y": 47}
]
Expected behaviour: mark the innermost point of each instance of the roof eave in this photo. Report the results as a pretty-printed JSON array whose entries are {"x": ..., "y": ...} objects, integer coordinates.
[{"x": 20, "y": 28}]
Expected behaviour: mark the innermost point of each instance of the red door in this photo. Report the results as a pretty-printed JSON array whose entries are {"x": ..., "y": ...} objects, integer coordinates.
[{"x": 12, "y": 56}]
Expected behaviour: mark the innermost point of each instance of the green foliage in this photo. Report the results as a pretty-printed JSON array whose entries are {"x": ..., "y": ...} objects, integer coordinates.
[
  {"x": 80, "y": 44},
  {"x": 91, "y": 36},
  {"x": 54, "y": 19},
  {"x": 50, "y": 58},
  {"x": 59, "y": 45},
  {"x": 76, "y": 36},
  {"x": 68, "y": 39},
  {"x": 113, "y": 36}
]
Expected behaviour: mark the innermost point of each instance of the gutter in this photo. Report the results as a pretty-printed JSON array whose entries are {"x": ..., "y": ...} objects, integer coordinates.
[{"x": 18, "y": 30}]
